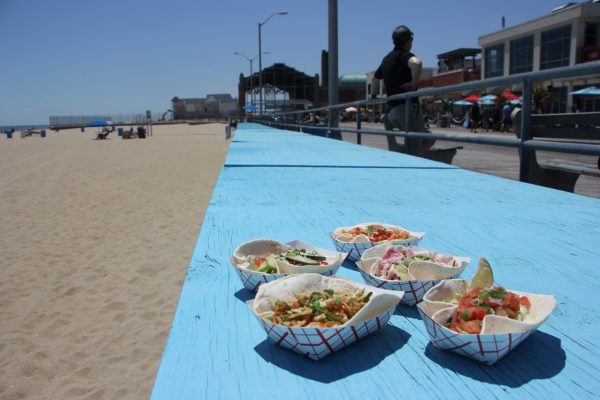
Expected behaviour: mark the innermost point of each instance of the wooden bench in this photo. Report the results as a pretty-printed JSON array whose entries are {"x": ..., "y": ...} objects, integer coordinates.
[
  {"x": 559, "y": 173},
  {"x": 434, "y": 153}
]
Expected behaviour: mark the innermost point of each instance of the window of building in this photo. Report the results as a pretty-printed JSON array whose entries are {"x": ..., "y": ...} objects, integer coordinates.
[
  {"x": 521, "y": 55},
  {"x": 494, "y": 61},
  {"x": 556, "y": 47},
  {"x": 592, "y": 34}
]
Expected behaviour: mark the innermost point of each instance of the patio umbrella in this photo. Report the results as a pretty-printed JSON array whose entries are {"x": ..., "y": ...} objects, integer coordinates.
[
  {"x": 99, "y": 122},
  {"x": 486, "y": 102},
  {"x": 350, "y": 109},
  {"x": 515, "y": 101},
  {"x": 462, "y": 103},
  {"x": 472, "y": 98},
  {"x": 488, "y": 97},
  {"x": 589, "y": 91},
  {"x": 508, "y": 95}
]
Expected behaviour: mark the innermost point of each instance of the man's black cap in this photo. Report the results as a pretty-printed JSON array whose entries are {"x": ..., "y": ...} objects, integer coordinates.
[{"x": 401, "y": 35}]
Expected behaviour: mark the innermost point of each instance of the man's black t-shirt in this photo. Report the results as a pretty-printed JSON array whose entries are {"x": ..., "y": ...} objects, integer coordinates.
[{"x": 395, "y": 72}]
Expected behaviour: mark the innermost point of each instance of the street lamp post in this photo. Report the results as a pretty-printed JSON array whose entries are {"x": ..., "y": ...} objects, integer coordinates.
[
  {"x": 260, "y": 86},
  {"x": 251, "y": 60}
]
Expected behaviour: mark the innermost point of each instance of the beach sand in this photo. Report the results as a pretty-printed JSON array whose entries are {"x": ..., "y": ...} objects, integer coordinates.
[{"x": 95, "y": 240}]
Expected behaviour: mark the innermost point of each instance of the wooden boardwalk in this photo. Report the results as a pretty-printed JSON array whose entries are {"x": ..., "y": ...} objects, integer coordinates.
[
  {"x": 493, "y": 160},
  {"x": 286, "y": 185}
]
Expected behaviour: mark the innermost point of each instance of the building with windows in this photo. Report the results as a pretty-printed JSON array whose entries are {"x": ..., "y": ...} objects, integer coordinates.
[
  {"x": 212, "y": 107},
  {"x": 568, "y": 35}
]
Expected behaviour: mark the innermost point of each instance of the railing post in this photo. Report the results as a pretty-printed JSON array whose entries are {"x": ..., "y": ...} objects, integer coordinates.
[
  {"x": 409, "y": 144},
  {"x": 358, "y": 121},
  {"x": 525, "y": 134}
]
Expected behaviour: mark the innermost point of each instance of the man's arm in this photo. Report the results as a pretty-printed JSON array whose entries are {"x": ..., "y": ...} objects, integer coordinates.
[{"x": 415, "y": 65}]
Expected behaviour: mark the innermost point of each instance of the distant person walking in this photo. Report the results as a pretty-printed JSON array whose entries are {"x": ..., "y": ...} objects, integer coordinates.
[
  {"x": 474, "y": 117},
  {"x": 400, "y": 70},
  {"x": 486, "y": 115},
  {"x": 506, "y": 121}
]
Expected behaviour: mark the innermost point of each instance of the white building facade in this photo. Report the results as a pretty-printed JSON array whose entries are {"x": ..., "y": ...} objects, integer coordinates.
[{"x": 569, "y": 35}]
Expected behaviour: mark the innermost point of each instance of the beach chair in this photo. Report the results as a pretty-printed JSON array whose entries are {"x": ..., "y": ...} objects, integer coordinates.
[{"x": 103, "y": 134}]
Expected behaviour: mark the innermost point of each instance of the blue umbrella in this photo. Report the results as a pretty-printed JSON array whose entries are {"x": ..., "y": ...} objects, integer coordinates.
[
  {"x": 590, "y": 91},
  {"x": 488, "y": 97},
  {"x": 99, "y": 122}
]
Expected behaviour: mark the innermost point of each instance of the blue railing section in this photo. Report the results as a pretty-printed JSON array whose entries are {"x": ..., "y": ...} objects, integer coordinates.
[{"x": 524, "y": 142}]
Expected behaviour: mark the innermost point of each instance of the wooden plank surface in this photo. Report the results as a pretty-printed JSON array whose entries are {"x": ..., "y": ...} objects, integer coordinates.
[{"x": 537, "y": 239}]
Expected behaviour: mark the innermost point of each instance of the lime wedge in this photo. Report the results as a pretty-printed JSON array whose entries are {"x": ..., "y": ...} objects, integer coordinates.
[{"x": 484, "y": 277}]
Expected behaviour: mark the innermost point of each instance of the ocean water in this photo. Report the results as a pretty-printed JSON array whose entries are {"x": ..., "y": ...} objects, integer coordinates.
[{"x": 4, "y": 128}]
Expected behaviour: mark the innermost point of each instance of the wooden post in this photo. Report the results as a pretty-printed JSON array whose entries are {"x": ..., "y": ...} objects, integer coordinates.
[{"x": 228, "y": 129}]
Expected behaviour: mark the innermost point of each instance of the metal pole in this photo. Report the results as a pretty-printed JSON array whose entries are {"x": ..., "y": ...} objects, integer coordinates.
[
  {"x": 260, "y": 69},
  {"x": 410, "y": 147},
  {"x": 525, "y": 154},
  {"x": 333, "y": 69},
  {"x": 251, "y": 88},
  {"x": 260, "y": 24},
  {"x": 358, "y": 121}
]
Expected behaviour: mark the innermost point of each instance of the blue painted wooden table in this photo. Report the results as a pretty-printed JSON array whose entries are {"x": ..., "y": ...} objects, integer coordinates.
[{"x": 286, "y": 185}]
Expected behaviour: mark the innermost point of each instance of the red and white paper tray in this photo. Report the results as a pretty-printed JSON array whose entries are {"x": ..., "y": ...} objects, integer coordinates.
[
  {"x": 498, "y": 336},
  {"x": 378, "y": 268},
  {"x": 356, "y": 245},
  {"x": 314, "y": 342},
  {"x": 245, "y": 253}
]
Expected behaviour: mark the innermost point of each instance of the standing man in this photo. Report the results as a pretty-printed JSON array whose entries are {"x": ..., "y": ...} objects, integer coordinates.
[{"x": 400, "y": 70}]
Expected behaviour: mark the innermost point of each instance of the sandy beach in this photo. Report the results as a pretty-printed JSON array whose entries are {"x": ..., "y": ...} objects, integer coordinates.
[{"x": 96, "y": 239}]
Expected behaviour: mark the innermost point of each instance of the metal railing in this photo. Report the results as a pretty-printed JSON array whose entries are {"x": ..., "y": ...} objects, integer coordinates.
[{"x": 524, "y": 143}]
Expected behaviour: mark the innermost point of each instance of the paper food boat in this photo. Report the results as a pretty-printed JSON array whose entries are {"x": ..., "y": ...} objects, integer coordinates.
[
  {"x": 314, "y": 342},
  {"x": 253, "y": 279},
  {"x": 498, "y": 336},
  {"x": 425, "y": 274},
  {"x": 355, "y": 246}
]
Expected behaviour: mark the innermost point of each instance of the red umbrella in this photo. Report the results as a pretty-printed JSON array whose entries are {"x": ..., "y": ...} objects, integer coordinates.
[
  {"x": 508, "y": 95},
  {"x": 472, "y": 98}
]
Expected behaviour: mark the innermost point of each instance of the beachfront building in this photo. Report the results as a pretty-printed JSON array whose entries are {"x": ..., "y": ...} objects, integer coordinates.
[
  {"x": 283, "y": 89},
  {"x": 568, "y": 35},
  {"x": 213, "y": 106}
]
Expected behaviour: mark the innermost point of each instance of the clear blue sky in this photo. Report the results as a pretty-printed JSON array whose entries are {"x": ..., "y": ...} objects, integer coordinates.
[{"x": 81, "y": 57}]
